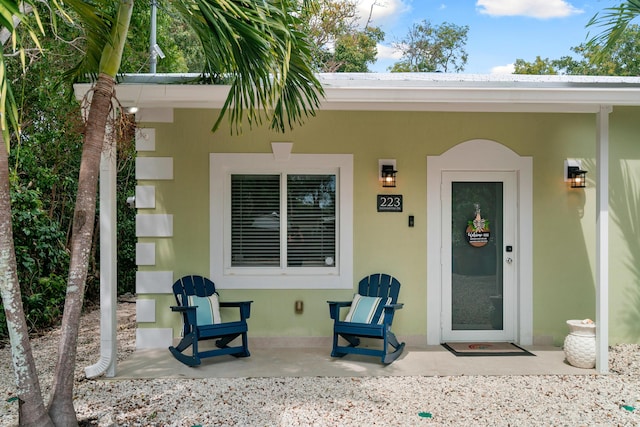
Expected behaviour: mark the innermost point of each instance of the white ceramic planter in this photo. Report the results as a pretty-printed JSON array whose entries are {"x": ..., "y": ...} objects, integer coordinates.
[{"x": 580, "y": 344}]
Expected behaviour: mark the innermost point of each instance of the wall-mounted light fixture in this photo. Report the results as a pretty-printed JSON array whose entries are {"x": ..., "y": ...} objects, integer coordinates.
[
  {"x": 387, "y": 172},
  {"x": 574, "y": 174}
]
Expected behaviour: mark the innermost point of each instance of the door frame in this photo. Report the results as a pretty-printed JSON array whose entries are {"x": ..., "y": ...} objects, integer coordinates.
[{"x": 481, "y": 155}]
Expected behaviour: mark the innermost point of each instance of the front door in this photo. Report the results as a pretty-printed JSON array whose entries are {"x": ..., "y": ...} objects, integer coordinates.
[{"x": 479, "y": 289}]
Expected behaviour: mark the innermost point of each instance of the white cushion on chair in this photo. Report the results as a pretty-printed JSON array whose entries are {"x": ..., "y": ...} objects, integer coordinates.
[
  {"x": 366, "y": 310},
  {"x": 208, "y": 311}
]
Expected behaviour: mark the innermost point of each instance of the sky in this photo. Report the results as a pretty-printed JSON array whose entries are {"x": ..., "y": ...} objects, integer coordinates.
[{"x": 500, "y": 31}]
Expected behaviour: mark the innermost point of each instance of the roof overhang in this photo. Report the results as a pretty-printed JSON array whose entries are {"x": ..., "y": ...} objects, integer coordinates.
[{"x": 404, "y": 92}]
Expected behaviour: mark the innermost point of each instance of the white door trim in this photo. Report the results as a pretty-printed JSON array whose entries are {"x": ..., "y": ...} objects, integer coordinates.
[{"x": 480, "y": 155}]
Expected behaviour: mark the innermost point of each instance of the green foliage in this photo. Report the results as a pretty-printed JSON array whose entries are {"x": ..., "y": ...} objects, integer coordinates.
[
  {"x": 432, "y": 48},
  {"x": 12, "y": 13},
  {"x": 620, "y": 59},
  {"x": 126, "y": 253},
  {"x": 182, "y": 49},
  {"x": 38, "y": 240},
  {"x": 41, "y": 257},
  {"x": 353, "y": 52},
  {"x": 613, "y": 23},
  {"x": 44, "y": 164},
  {"x": 44, "y": 308},
  {"x": 538, "y": 67},
  {"x": 338, "y": 44},
  {"x": 45, "y": 159}
]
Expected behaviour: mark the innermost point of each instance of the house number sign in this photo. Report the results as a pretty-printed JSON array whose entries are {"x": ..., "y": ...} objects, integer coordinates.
[{"x": 389, "y": 202}]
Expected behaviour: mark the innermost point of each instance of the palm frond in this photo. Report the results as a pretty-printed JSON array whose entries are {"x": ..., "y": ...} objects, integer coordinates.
[
  {"x": 9, "y": 9},
  {"x": 92, "y": 18},
  {"x": 96, "y": 21},
  {"x": 256, "y": 47},
  {"x": 9, "y": 118},
  {"x": 612, "y": 22},
  {"x": 10, "y": 16}
]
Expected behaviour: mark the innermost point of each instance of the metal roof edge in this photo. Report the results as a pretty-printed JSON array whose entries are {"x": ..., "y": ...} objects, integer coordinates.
[{"x": 402, "y": 91}]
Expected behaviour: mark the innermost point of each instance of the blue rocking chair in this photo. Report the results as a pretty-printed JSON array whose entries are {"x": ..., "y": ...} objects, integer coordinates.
[
  {"x": 370, "y": 316},
  {"x": 199, "y": 305}
]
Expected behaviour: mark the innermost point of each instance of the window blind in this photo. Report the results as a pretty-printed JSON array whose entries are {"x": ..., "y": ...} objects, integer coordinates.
[
  {"x": 256, "y": 220},
  {"x": 311, "y": 214}
]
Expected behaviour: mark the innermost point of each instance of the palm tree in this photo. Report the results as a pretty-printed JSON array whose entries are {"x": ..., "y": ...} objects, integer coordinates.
[
  {"x": 32, "y": 409},
  {"x": 613, "y": 22},
  {"x": 31, "y": 404},
  {"x": 254, "y": 45}
]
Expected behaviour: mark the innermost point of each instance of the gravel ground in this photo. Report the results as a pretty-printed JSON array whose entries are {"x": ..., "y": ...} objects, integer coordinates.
[{"x": 581, "y": 400}]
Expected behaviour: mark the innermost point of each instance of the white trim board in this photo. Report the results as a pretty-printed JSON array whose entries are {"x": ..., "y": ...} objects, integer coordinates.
[
  {"x": 222, "y": 165},
  {"x": 480, "y": 155}
]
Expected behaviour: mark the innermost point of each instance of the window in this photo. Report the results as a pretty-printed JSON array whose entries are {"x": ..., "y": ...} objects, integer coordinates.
[
  {"x": 278, "y": 224},
  {"x": 264, "y": 233}
]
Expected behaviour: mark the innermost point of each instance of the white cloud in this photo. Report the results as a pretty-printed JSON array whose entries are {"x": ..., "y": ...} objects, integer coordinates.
[
  {"x": 388, "y": 52},
  {"x": 542, "y": 9},
  {"x": 384, "y": 11},
  {"x": 503, "y": 69}
]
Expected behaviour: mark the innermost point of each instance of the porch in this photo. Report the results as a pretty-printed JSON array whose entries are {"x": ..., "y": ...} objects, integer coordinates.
[
  {"x": 518, "y": 110},
  {"x": 429, "y": 361}
]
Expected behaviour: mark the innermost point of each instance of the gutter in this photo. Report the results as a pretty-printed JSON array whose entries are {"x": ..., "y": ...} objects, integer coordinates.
[{"x": 108, "y": 271}]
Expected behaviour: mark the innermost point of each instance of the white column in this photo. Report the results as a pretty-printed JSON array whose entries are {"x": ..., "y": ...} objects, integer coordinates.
[{"x": 602, "y": 240}]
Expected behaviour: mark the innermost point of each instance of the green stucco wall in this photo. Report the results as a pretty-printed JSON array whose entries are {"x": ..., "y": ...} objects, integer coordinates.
[{"x": 563, "y": 219}]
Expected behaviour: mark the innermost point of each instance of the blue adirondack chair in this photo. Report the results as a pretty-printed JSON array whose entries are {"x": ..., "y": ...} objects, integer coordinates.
[
  {"x": 198, "y": 303},
  {"x": 370, "y": 316}
]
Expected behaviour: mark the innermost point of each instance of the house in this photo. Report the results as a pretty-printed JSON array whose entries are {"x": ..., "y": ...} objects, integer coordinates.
[{"x": 482, "y": 227}]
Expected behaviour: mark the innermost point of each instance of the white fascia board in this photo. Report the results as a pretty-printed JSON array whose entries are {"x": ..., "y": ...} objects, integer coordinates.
[
  {"x": 150, "y": 95},
  {"x": 490, "y": 99},
  {"x": 469, "y": 107},
  {"x": 414, "y": 94}
]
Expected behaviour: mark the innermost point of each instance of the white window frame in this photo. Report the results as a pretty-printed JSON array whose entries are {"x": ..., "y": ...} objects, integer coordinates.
[{"x": 223, "y": 165}]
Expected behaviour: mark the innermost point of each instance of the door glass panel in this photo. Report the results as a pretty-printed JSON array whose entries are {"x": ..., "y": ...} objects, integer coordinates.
[{"x": 476, "y": 255}]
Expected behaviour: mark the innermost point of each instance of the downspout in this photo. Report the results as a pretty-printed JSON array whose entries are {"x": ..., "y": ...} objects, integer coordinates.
[
  {"x": 602, "y": 239},
  {"x": 108, "y": 268}
]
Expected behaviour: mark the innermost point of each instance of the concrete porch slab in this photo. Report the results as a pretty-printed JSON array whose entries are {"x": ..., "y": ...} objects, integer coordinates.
[{"x": 317, "y": 362}]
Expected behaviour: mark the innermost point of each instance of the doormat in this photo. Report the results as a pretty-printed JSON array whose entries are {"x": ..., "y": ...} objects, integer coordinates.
[{"x": 486, "y": 349}]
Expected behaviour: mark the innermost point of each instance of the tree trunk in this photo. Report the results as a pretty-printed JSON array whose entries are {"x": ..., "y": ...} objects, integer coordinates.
[
  {"x": 31, "y": 405},
  {"x": 61, "y": 407}
]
